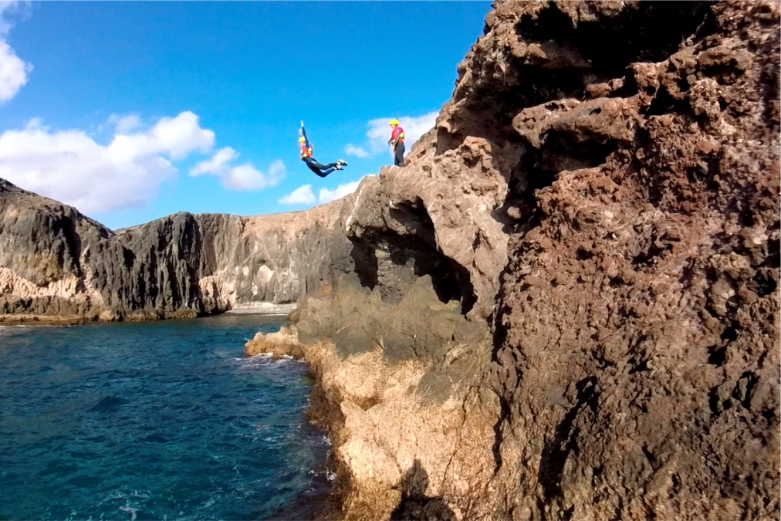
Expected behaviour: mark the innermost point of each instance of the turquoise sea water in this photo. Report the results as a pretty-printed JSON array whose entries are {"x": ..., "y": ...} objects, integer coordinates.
[{"x": 163, "y": 420}]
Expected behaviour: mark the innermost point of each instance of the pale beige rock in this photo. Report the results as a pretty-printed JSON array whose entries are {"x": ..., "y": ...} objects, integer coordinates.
[{"x": 282, "y": 343}]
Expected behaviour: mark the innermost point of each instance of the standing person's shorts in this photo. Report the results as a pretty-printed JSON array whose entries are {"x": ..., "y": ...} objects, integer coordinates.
[{"x": 398, "y": 159}]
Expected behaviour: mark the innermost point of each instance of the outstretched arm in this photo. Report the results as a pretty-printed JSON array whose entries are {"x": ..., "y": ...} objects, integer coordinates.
[{"x": 302, "y": 131}]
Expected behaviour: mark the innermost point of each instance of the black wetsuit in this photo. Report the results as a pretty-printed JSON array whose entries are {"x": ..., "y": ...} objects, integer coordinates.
[
  {"x": 318, "y": 168},
  {"x": 398, "y": 158}
]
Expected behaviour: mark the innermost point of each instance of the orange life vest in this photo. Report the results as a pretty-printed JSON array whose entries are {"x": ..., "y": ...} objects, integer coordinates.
[
  {"x": 305, "y": 152},
  {"x": 397, "y": 136}
]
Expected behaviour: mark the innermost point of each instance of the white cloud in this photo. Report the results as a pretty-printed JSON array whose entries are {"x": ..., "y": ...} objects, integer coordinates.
[
  {"x": 352, "y": 150},
  {"x": 217, "y": 165},
  {"x": 19, "y": 8},
  {"x": 125, "y": 124},
  {"x": 69, "y": 166},
  {"x": 14, "y": 72},
  {"x": 302, "y": 195},
  {"x": 414, "y": 127},
  {"x": 242, "y": 177},
  {"x": 327, "y": 195},
  {"x": 34, "y": 123},
  {"x": 276, "y": 172}
]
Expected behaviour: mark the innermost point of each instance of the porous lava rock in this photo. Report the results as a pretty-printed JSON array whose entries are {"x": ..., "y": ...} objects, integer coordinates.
[
  {"x": 636, "y": 334},
  {"x": 601, "y": 192}
]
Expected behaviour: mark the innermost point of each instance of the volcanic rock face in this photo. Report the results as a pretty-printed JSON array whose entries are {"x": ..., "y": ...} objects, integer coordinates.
[
  {"x": 636, "y": 338},
  {"x": 58, "y": 265},
  {"x": 565, "y": 306},
  {"x": 601, "y": 194}
]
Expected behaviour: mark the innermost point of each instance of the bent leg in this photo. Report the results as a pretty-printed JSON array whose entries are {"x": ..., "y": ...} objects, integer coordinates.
[
  {"x": 320, "y": 169},
  {"x": 322, "y": 173},
  {"x": 312, "y": 163}
]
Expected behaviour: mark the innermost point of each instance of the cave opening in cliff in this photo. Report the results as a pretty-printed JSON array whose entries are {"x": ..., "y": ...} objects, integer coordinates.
[{"x": 391, "y": 262}]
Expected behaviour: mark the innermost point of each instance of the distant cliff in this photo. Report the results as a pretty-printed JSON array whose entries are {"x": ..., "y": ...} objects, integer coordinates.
[{"x": 57, "y": 265}]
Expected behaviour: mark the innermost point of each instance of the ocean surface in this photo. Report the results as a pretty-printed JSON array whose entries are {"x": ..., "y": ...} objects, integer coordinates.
[{"x": 157, "y": 420}]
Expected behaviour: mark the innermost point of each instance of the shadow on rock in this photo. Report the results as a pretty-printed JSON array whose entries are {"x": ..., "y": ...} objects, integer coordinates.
[{"x": 415, "y": 505}]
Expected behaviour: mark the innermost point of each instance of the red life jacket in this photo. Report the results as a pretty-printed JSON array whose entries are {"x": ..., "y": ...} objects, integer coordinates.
[
  {"x": 397, "y": 136},
  {"x": 305, "y": 152}
]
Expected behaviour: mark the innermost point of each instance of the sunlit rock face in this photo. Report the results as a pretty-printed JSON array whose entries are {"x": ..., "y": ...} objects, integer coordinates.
[{"x": 58, "y": 265}]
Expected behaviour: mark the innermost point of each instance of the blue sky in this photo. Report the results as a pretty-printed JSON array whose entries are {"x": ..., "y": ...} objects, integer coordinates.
[{"x": 112, "y": 107}]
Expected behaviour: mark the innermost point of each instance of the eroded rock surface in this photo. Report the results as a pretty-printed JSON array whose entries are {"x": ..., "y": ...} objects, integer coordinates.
[
  {"x": 565, "y": 306},
  {"x": 601, "y": 192},
  {"x": 637, "y": 333}
]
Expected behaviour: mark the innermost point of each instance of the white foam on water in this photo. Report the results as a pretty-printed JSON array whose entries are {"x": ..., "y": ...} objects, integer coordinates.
[
  {"x": 133, "y": 511},
  {"x": 117, "y": 494}
]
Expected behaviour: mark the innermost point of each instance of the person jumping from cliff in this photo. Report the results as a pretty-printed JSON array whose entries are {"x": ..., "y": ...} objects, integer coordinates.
[
  {"x": 306, "y": 156},
  {"x": 396, "y": 142}
]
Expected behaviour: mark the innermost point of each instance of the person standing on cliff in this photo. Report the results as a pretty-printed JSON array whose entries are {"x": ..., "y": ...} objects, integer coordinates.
[
  {"x": 396, "y": 142},
  {"x": 306, "y": 156}
]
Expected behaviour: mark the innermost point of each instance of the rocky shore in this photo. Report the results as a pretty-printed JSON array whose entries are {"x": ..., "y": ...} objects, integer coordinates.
[{"x": 565, "y": 305}]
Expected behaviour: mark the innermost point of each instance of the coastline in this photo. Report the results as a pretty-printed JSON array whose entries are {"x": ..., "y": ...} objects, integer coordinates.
[
  {"x": 260, "y": 308},
  {"x": 263, "y": 308}
]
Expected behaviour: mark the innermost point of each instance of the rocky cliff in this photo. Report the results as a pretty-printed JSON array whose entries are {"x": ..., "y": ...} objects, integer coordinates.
[
  {"x": 566, "y": 305},
  {"x": 57, "y": 265}
]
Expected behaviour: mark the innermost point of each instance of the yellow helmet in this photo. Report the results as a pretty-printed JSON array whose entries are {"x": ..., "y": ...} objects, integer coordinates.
[
  {"x": 302, "y": 139},
  {"x": 393, "y": 122}
]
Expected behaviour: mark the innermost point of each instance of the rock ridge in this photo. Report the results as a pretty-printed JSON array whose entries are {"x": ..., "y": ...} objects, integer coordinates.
[{"x": 56, "y": 265}]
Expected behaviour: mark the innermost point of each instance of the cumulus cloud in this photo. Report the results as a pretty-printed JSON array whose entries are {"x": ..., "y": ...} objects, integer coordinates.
[
  {"x": 124, "y": 124},
  {"x": 217, "y": 165},
  {"x": 69, "y": 166},
  {"x": 34, "y": 123},
  {"x": 241, "y": 177},
  {"x": 352, "y": 150},
  {"x": 244, "y": 177},
  {"x": 12, "y": 9},
  {"x": 414, "y": 127},
  {"x": 327, "y": 195},
  {"x": 14, "y": 72},
  {"x": 302, "y": 195}
]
